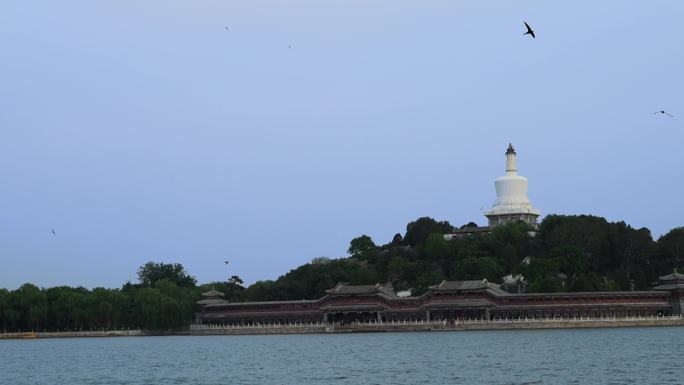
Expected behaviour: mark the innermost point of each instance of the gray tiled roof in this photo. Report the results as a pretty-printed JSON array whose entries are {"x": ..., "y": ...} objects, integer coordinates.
[
  {"x": 211, "y": 301},
  {"x": 496, "y": 289},
  {"x": 460, "y": 285},
  {"x": 212, "y": 293},
  {"x": 481, "y": 284},
  {"x": 240, "y": 304},
  {"x": 672, "y": 277},
  {"x": 669, "y": 286},
  {"x": 343, "y": 288}
]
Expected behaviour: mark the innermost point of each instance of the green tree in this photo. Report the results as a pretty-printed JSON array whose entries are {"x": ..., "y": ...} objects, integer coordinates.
[
  {"x": 235, "y": 280},
  {"x": 589, "y": 233},
  {"x": 361, "y": 245},
  {"x": 671, "y": 247},
  {"x": 148, "y": 308},
  {"x": 436, "y": 247},
  {"x": 397, "y": 239},
  {"x": 32, "y": 306},
  {"x": 542, "y": 275},
  {"x": 260, "y": 291},
  {"x": 69, "y": 308},
  {"x": 418, "y": 231},
  {"x": 320, "y": 260},
  {"x": 480, "y": 267},
  {"x": 4, "y": 307},
  {"x": 397, "y": 269},
  {"x": 633, "y": 249},
  {"x": 152, "y": 272}
]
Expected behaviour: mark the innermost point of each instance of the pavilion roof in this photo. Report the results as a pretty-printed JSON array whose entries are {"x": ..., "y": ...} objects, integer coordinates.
[
  {"x": 460, "y": 285},
  {"x": 670, "y": 286},
  {"x": 675, "y": 276},
  {"x": 344, "y": 288},
  {"x": 211, "y": 301},
  {"x": 212, "y": 293},
  {"x": 471, "y": 285},
  {"x": 248, "y": 304}
]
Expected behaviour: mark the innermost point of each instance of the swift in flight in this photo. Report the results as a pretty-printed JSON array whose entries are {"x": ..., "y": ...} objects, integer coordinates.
[
  {"x": 529, "y": 30},
  {"x": 663, "y": 112}
]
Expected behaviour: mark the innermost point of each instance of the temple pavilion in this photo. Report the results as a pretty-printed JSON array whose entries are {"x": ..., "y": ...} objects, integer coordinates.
[{"x": 674, "y": 283}]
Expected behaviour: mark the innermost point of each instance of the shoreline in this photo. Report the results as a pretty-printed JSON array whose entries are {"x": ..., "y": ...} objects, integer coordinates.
[
  {"x": 540, "y": 324},
  {"x": 202, "y": 330},
  {"x": 72, "y": 334}
]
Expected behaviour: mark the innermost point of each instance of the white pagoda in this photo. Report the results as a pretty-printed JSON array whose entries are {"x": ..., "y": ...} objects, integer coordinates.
[{"x": 512, "y": 203}]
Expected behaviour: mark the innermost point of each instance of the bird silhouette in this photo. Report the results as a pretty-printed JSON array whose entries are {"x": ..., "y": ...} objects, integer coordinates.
[
  {"x": 227, "y": 29},
  {"x": 53, "y": 232},
  {"x": 226, "y": 262},
  {"x": 529, "y": 30},
  {"x": 663, "y": 112}
]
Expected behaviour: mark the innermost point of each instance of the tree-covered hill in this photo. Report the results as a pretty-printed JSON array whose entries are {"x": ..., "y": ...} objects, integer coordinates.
[{"x": 568, "y": 253}]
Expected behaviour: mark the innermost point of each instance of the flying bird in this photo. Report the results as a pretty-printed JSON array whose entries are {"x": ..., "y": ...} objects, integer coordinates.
[
  {"x": 226, "y": 262},
  {"x": 529, "y": 30},
  {"x": 663, "y": 112},
  {"x": 53, "y": 231},
  {"x": 227, "y": 29}
]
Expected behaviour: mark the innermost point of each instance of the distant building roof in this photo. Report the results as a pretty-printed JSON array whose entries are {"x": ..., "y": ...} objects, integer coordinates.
[
  {"x": 481, "y": 284},
  {"x": 344, "y": 288},
  {"x": 466, "y": 231},
  {"x": 213, "y": 293},
  {"x": 669, "y": 286},
  {"x": 675, "y": 276},
  {"x": 244, "y": 304},
  {"x": 673, "y": 281},
  {"x": 211, "y": 301},
  {"x": 472, "y": 229},
  {"x": 460, "y": 285}
]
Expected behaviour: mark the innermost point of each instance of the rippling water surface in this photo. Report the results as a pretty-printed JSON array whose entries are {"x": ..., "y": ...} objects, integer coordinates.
[{"x": 581, "y": 356}]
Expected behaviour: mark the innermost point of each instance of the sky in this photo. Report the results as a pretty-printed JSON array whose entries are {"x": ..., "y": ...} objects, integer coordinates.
[{"x": 145, "y": 131}]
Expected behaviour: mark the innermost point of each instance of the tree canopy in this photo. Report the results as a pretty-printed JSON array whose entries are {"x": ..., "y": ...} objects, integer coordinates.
[{"x": 152, "y": 272}]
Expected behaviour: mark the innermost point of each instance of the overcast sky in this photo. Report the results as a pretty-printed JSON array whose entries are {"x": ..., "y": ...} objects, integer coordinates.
[{"x": 144, "y": 130}]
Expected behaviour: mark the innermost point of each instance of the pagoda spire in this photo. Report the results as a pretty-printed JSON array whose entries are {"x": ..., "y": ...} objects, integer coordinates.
[
  {"x": 510, "y": 149},
  {"x": 511, "y": 162}
]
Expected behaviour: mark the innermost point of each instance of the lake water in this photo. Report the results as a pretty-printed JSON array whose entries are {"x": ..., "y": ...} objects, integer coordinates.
[{"x": 578, "y": 356}]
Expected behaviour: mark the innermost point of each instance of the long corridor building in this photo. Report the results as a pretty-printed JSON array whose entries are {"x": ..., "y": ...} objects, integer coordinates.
[{"x": 448, "y": 300}]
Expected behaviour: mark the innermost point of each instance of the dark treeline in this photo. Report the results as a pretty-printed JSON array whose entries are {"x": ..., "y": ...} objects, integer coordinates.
[
  {"x": 568, "y": 253},
  {"x": 164, "y": 299}
]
